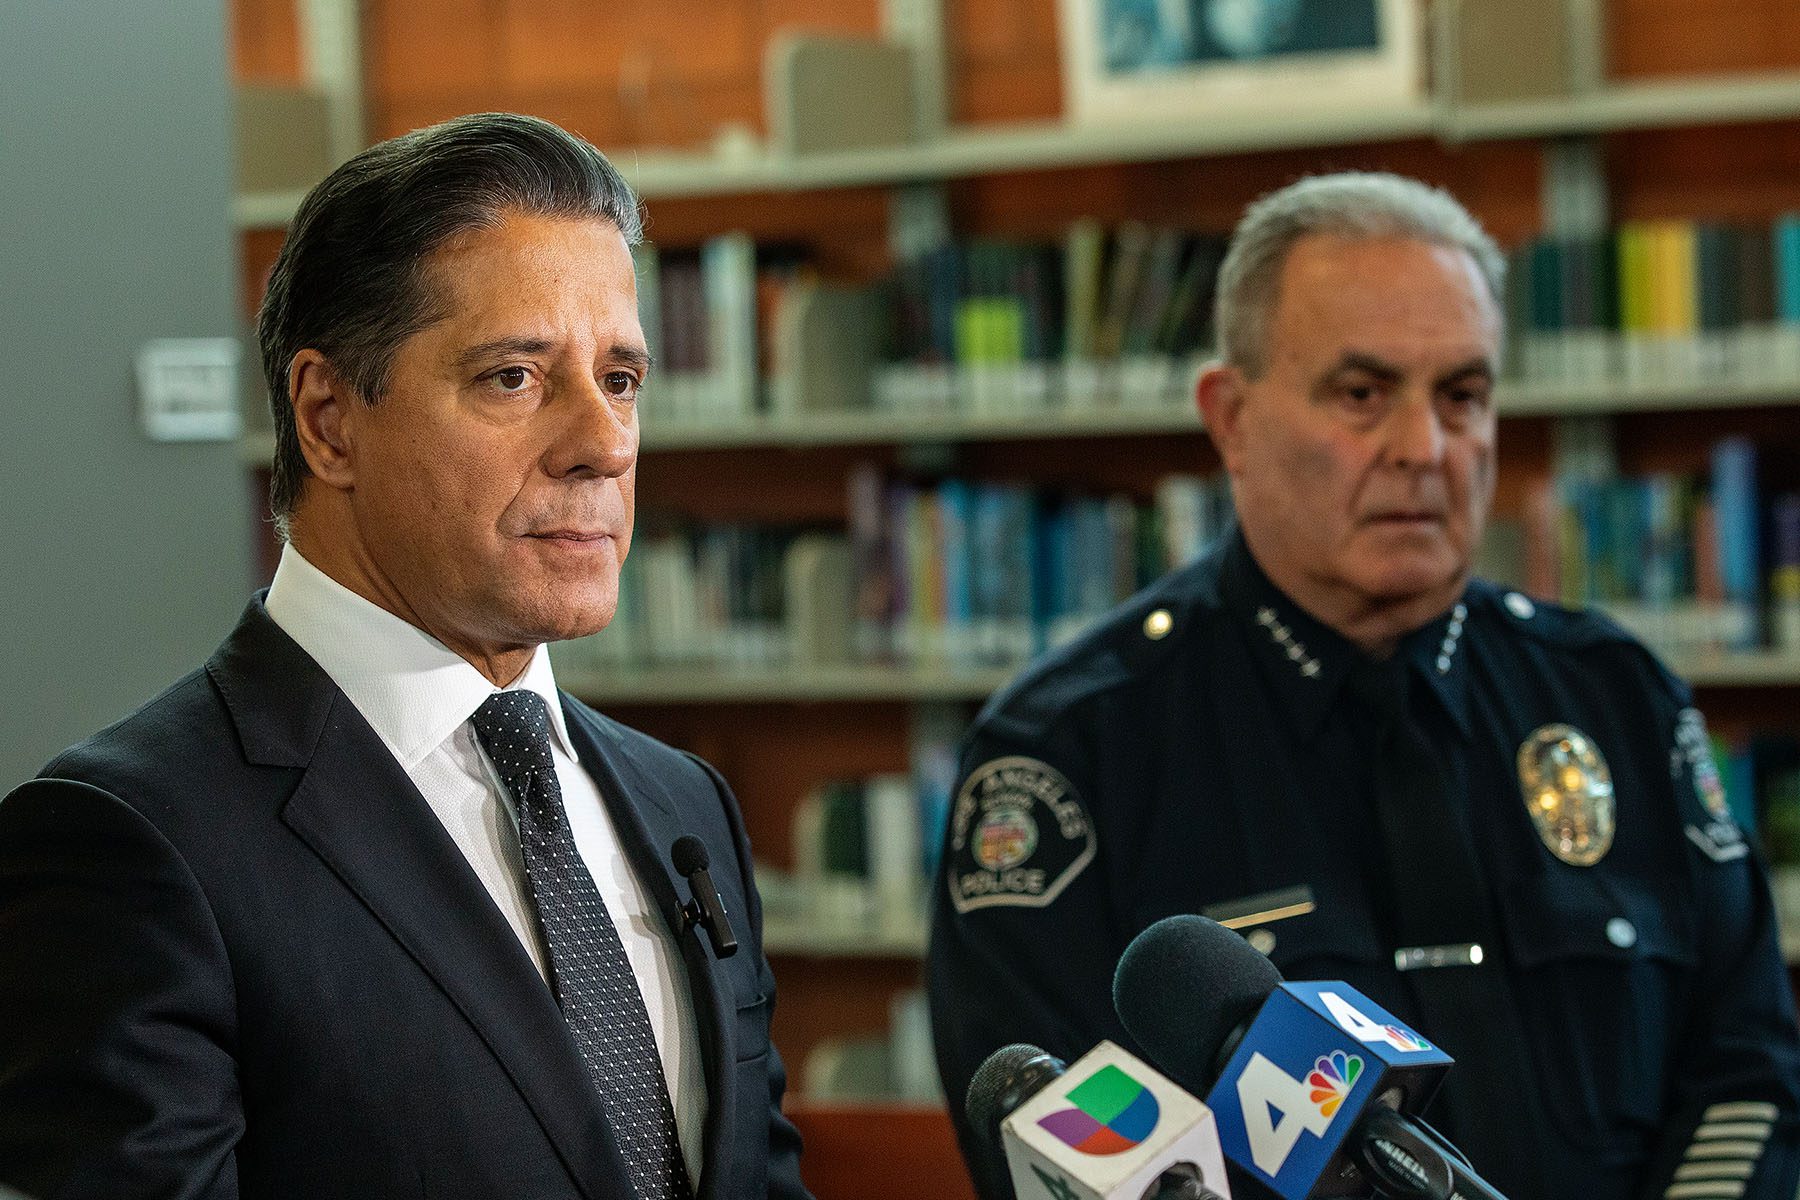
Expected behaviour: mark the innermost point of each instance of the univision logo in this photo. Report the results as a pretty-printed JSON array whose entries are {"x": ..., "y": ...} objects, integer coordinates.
[{"x": 1113, "y": 1113}]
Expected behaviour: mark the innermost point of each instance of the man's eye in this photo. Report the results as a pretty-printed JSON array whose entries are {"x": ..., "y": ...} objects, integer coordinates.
[
  {"x": 622, "y": 384},
  {"x": 511, "y": 379}
]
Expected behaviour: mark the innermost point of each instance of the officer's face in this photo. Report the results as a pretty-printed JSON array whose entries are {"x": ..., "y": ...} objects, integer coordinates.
[{"x": 1363, "y": 457}]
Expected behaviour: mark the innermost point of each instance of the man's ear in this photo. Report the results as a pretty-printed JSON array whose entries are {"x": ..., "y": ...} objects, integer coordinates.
[
  {"x": 1220, "y": 395},
  {"x": 323, "y": 418}
]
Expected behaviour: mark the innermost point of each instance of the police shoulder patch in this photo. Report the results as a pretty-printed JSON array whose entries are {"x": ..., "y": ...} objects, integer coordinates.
[
  {"x": 1018, "y": 836},
  {"x": 1709, "y": 822}
]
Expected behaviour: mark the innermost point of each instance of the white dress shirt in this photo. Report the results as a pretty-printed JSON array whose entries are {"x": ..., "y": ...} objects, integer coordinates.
[{"x": 418, "y": 695}]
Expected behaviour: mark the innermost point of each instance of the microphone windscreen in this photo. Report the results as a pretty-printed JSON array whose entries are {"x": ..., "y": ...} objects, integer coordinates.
[
  {"x": 1183, "y": 987},
  {"x": 689, "y": 855},
  {"x": 1010, "y": 1076}
]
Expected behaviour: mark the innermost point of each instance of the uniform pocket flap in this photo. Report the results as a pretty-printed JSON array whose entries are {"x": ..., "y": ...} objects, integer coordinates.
[
  {"x": 1548, "y": 919},
  {"x": 1301, "y": 926}
]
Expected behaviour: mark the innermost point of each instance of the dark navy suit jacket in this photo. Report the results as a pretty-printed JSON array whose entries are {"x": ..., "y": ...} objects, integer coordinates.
[{"x": 240, "y": 957}]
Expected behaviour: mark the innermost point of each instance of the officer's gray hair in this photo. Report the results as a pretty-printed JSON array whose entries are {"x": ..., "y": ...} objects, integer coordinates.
[{"x": 1351, "y": 204}]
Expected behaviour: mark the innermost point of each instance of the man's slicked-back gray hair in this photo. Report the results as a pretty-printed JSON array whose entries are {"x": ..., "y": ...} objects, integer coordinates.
[
  {"x": 351, "y": 279},
  {"x": 1352, "y": 204}
]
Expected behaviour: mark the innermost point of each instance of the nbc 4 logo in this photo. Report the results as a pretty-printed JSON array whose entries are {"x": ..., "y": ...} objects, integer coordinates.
[
  {"x": 1306, "y": 1105},
  {"x": 1309, "y": 1104}
]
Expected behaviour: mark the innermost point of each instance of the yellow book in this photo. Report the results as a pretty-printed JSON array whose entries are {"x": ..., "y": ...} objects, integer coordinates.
[{"x": 1677, "y": 279}]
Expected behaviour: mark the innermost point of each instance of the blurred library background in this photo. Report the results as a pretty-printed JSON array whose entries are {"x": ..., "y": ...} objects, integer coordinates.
[{"x": 928, "y": 282}]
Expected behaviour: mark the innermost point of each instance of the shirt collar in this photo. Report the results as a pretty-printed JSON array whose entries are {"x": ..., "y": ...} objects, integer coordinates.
[
  {"x": 1305, "y": 662},
  {"x": 412, "y": 689}
]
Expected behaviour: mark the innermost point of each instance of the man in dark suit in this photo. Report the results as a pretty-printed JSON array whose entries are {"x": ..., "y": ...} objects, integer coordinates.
[{"x": 366, "y": 907}]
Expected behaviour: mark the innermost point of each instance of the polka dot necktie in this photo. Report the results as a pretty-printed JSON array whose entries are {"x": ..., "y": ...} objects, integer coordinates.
[{"x": 589, "y": 973}]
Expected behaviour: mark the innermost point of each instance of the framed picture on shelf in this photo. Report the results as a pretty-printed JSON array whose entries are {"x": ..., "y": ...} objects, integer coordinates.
[{"x": 1135, "y": 61}]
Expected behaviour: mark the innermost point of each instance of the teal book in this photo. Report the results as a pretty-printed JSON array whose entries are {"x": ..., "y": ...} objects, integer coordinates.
[
  {"x": 956, "y": 503},
  {"x": 1787, "y": 267}
]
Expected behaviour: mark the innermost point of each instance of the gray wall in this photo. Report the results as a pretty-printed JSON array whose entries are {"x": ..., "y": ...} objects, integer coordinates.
[{"x": 122, "y": 561}]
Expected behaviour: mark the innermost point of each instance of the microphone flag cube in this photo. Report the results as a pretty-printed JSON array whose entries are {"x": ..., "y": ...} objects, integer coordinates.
[
  {"x": 1108, "y": 1129},
  {"x": 1316, "y": 1057}
]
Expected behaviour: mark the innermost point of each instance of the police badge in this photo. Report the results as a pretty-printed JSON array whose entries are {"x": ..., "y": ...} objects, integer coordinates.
[{"x": 1569, "y": 793}]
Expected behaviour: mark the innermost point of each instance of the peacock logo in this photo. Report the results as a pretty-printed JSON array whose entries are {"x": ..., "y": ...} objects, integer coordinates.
[
  {"x": 1333, "y": 1075},
  {"x": 1405, "y": 1040},
  {"x": 1113, "y": 1113}
]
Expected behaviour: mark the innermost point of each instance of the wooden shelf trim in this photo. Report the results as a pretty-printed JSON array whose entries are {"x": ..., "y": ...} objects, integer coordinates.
[{"x": 1042, "y": 145}]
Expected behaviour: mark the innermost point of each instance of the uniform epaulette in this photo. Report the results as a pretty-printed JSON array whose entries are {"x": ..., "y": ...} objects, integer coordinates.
[
  {"x": 1565, "y": 628},
  {"x": 1115, "y": 649}
]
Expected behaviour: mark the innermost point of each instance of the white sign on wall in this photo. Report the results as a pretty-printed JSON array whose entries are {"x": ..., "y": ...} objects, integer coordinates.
[{"x": 188, "y": 389}]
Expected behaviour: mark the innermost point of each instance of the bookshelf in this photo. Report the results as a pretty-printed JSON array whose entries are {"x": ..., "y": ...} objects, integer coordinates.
[
  {"x": 796, "y": 939},
  {"x": 867, "y": 427},
  {"x": 1048, "y": 145},
  {"x": 803, "y": 684},
  {"x": 852, "y": 684}
]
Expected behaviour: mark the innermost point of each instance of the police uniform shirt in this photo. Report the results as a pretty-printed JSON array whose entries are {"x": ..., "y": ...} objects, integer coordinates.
[{"x": 1197, "y": 752}]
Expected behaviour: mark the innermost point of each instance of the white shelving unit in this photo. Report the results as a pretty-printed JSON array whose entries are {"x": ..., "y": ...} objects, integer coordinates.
[
  {"x": 1045, "y": 145},
  {"x": 867, "y": 427},
  {"x": 800, "y": 939},
  {"x": 1591, "y": 399},
  {"x": 789, "y": 685},
  {"x": 1743, "y": 669},
  {"x": 1646, "y": 104},
  {"x": 830, "y": 684},
  {"x": 864, "y": 427}
]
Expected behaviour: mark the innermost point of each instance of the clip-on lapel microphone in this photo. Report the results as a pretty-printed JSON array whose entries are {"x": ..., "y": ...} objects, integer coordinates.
[{"x": 705, "y": 909}]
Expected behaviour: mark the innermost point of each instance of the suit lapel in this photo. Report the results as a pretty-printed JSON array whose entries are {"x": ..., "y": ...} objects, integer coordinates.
[
  {"x": 648, "y": 822},
  {"x": 359, "y": 812}
]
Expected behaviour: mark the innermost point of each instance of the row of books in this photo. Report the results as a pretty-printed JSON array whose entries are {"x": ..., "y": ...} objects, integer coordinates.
[
  {"x": 714, "y": 596},
  {"x": 862, "y": 850},
  {"x": 956, "y": 573},
  {"x": 709, "y": 317},
  {"x": 965, "y": 572},
  {"x": 1101, "y": 317},
  {"x": 1121, "y": 317},
  {"x": 1676, "y": 303},
  {"x": 1689, "y": 562},
  {"x": 894, "y": 1066}
]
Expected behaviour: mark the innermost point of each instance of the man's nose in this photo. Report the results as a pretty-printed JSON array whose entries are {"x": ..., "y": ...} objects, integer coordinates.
[
  {"x": 598, "y": 436},
  {"x": 1415, "y": 433}
]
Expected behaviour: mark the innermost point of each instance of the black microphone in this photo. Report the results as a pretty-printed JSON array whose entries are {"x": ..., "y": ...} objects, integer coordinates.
[
  {"x": 705, "y": 909},
  {"x": 1006, "y": 1079},
  {"x": 1213, "y": 1012}
]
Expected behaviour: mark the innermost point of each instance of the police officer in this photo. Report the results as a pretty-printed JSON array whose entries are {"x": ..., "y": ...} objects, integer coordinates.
[{"x": 1497, "y": 818}]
